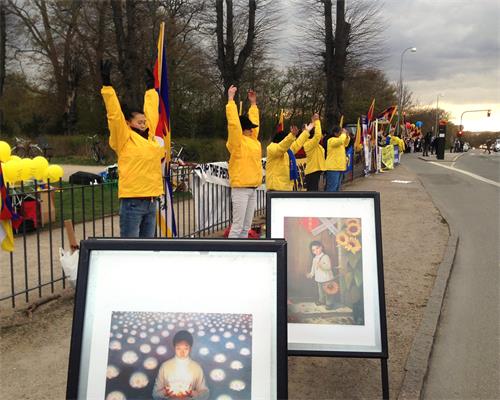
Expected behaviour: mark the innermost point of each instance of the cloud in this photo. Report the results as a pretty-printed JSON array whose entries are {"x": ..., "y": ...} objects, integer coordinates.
[{"x": 458, "y": 48}]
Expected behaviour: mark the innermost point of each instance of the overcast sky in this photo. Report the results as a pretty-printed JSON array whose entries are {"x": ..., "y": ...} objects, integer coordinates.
[{"x": 458, "y": 54}]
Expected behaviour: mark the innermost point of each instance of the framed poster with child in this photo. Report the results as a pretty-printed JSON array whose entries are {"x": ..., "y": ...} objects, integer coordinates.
[
  {"x": 335, "y": 296},
  {"x": 179, "y": 319}
]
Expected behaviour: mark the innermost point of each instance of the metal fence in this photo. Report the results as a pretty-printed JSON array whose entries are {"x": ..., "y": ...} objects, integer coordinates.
[{"x": 33, "y": 270}]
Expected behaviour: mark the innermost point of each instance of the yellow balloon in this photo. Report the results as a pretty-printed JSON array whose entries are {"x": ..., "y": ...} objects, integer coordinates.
[
  {"x": 40, "y": 166},
  {"x": 12, "y": 171},
  {"x": 4, "y": 151},
  {"x": 26, "y": 164},
  {"x": 55, "y": 172},
  {"x": 14, "y": 157}
]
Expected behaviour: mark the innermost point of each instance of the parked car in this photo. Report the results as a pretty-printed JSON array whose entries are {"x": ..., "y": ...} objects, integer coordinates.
[
  {"x": 466, "y": 146},
  {"x": 496, "y": 145}
]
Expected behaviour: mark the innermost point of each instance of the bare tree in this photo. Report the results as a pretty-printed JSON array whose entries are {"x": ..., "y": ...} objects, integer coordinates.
[
  {"x": 231, "y": 69},
  {"x": 3, "y": 48},
  {"x": 335, "y": 61},
  {"x": 51, "y": 27},
  {"x": 347, "y": 40}
]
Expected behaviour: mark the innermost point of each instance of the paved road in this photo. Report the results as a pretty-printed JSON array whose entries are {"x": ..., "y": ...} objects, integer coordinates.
[{"x": 465, "y": 362}]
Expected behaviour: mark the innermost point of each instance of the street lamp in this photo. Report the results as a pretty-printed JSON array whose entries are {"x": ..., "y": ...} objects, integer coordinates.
[
  {"x": 437, "y": 112},
  {"x": 400, "y": 105}
]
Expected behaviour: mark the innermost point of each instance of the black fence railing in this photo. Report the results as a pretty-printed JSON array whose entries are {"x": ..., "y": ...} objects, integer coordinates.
[{"x": 33, "y": 270}]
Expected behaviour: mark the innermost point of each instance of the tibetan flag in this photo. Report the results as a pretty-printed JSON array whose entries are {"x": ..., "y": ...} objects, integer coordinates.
[
  {"x": 358, "y": 145},
  {"x": 166, "y": 218},
  {"x": 388, "y": 113},
  {"x": 281, "y": 123},
  {"x": 370, "y": 118},
  {"x": 8, "y": 218},
  {"x": 371, "y": 111}
]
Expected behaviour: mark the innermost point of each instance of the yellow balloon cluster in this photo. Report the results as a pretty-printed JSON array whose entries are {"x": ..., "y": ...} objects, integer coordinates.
[
  {"x": 4, "y": 151},
  {"x": 16, "y": 169}
]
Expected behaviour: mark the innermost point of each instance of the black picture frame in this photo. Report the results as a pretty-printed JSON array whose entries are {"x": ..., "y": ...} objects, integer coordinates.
[
  {"x": 201, "y": 246},
  {"x": 309, "y": 197}
]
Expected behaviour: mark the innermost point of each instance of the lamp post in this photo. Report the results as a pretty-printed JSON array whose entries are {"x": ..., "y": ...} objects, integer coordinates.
[
  {"x": 413, "y": 50},
  {"x": 437, "y": 112}
]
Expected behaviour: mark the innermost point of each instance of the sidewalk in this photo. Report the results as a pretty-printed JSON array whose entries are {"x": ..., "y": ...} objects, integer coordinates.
[
  {"x": 70, "y": 169},
  {"x": 448, "y": 157},
  {"x": 414, "y": 240}
]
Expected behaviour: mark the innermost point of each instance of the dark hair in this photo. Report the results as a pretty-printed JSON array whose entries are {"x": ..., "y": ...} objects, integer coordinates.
[
  {"x": 336, "y": 129},
  {"x": 311, "y": 133},
  {"x": 316, "y": 243},
  {"x": 278, "y": 137},
  {"x": 183, "y": 336},
  {"x": 129, "y": 112},
  {"x": 246, "y": 124}
]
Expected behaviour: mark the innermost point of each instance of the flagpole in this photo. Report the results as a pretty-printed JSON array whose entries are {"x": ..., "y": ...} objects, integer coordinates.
[{"x": 376, "y": 146}]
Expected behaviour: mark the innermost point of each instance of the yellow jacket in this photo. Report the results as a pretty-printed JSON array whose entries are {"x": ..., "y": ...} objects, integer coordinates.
[
  {"x": 139, "y": 159},
  {"x": 278, "y": 161},
  {"x": 245, "y": 165},
  {"x": 315, "y": 153},
  {"x": 336, "y": 158},
  {"x": 398, "y": 142}
]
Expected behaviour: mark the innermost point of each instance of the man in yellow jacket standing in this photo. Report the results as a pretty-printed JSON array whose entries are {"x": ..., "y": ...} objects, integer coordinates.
[
  {"x": 315, "y": 156},
  {"x": 279, "y": 163},
  {"x": 139, "y": 157},
  {"x": 336, "y": 161},
  {"x": 245, "y": 166}
]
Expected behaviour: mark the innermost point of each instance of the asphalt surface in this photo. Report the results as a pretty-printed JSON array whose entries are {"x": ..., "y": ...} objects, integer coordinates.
[{"x": 465, "y": 360}]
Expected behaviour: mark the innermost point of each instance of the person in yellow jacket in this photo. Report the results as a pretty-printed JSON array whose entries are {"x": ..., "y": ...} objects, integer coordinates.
[
  {"x": 281, "y": 166},
  {"x": 315, "y": 156},
  {"x": 139, "y": 157},
  {"x": 336, "y": 161},
  {"x": 245, "y": 166}
]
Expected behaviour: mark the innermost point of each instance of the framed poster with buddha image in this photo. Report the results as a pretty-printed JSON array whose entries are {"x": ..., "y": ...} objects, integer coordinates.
[
  {"x": 179, "y": 319},
  {"x": 335, "y": 296}
]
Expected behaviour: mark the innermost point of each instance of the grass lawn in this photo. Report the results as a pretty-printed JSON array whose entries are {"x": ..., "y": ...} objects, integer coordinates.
[{"x": 88, "y": 202}]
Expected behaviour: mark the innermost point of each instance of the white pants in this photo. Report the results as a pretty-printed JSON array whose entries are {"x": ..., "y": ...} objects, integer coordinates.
[{"x": 244, "y": 201}]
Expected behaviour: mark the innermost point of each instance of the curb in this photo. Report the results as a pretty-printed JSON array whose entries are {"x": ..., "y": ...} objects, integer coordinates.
[
  {"x": 436, "y": 160},
  {"x": 418, "y": 360}
]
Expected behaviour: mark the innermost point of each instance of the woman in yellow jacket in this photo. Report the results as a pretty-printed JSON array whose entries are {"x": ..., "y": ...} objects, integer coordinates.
[
  {"x": 245, "y": 165},
  {"x": 281, "y": 167},
  {"x": 315, "y": 156},
  {"x": 139, "y": 157},
  {"x": 336, "y": 161}
]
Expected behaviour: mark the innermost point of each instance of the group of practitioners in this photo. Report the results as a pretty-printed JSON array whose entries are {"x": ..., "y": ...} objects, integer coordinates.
[
  {"x": 323, "y": 154},
  {"x": 140, "y": 158}
]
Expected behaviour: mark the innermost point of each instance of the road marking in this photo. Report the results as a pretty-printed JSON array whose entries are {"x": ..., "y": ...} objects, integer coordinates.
[{"x": 478, "y": 177}]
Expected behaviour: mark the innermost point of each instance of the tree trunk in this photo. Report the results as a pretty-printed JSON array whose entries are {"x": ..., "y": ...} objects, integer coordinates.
[
  {"x": 127, "y": 44},
  {"x": 3, "y": 40},
  {"x": 231, "y": 70},
  {"x": 330, "y": 99},
  {"x": 342, "y": 29},
  {"x": 335, "y": 61}
]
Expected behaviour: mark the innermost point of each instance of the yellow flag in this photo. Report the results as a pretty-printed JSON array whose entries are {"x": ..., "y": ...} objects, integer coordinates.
[{"x": 357, "y": 141}]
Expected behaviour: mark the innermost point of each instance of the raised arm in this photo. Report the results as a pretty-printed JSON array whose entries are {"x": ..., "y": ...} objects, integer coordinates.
[
  {"x": 337, "y": 141},
  {"x": 276, "y": 150},
  {"x": 118, "y": 129},
  {"x": 151, "y": 103},
  {"x": 299, "y": 142},
  {"x": 234, "y": 132},
  {"x": 314, "y": 141},
  {"x": 253, "y": 113}
]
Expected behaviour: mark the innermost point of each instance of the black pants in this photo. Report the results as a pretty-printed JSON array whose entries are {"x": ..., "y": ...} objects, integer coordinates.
[{"x": 312, "y": 181}]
